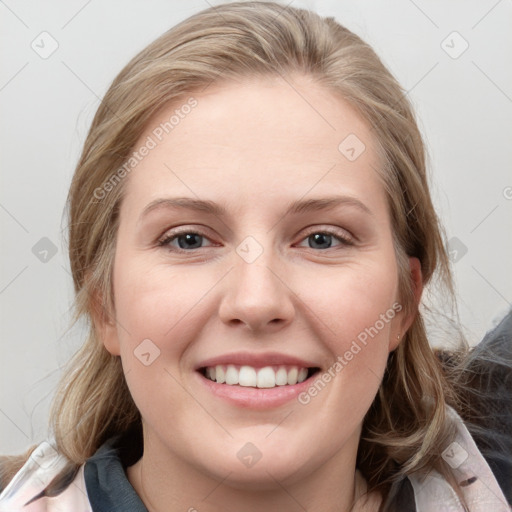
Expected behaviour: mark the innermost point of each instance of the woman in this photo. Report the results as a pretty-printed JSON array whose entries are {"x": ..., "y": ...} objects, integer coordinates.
[{"x": 282, "y": 362}]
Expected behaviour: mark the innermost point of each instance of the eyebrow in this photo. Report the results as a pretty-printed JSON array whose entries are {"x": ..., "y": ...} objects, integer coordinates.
[{"x": 295, "y": 208}]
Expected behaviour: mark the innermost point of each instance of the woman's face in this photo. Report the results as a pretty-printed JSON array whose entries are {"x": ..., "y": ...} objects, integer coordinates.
[{"x": 255, "y": 246}]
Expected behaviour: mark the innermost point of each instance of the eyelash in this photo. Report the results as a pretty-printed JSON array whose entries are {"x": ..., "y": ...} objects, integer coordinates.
[{"x": 168, "y": 238}]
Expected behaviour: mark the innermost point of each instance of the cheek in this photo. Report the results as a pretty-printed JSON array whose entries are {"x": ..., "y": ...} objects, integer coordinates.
[
  {"x": 158, "y": 303},
  {"x": 157, "y": 312},
  {"x": 359, "y": 307},
  {"x": 350, "y": 301}
]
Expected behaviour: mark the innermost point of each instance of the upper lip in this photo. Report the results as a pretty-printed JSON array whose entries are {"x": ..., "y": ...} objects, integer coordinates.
[{"x": 257, "y": 360}]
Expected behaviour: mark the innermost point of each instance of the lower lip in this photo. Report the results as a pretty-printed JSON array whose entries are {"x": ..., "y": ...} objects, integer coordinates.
[{"x": 256, "y": 398}]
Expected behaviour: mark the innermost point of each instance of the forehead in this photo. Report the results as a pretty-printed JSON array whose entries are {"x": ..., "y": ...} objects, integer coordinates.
[{"x": 264, "y": 137}]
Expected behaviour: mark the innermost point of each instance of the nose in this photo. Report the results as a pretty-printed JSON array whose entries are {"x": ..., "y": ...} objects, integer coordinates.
[{"x": 256, "y": 295}]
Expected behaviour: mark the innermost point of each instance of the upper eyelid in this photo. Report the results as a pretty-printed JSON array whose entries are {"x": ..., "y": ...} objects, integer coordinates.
[
  {"x": 174, "y": 232},
  {"x": 331, "y": 230}
]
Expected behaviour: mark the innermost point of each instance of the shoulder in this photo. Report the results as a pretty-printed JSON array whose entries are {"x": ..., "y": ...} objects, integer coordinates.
[
  {"x": 25, "y": 491},
  {"x": 429, "y": 491},
  {"x": 100, "y": 485},
  {"x": 469, "y": 468},
  {"x": 488, "y": 394}
]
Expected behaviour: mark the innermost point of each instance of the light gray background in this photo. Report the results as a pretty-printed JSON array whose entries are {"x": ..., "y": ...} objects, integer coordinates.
[{"x": 465, "y": 110}]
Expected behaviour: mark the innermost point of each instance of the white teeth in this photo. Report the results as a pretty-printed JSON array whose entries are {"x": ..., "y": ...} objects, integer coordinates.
[
  {"x": 292, "y": 376},
  {"x": 282, "y": 377},
  {"x": 210, "y": 372},
  {"x": 266, "y": 378},
  {"x": 247, "y": 376},
  {"x": 303, "y": 373},
  {"x": 231, "y": 375},
  {"x": 220, "y": 374}
]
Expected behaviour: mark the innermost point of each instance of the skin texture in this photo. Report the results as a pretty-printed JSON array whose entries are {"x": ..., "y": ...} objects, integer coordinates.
[{"x": 253, "y": 147}]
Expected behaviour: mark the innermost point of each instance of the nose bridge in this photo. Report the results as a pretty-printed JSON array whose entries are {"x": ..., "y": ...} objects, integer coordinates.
[{"x": 256, "y": 294}]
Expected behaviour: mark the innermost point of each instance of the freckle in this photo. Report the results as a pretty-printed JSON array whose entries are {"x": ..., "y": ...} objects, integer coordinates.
[{"x": 469, "y": 481}]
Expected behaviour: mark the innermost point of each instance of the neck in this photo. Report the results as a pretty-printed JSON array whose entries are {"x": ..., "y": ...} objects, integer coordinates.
[{"x": 166, "y": 483}]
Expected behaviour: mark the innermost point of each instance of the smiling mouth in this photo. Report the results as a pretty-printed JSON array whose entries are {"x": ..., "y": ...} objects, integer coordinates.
[{"x": 263, "y": 378}]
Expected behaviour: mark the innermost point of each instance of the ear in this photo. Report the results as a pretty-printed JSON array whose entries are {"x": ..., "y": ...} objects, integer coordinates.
[
  {"x": 417, "y": 288},
  {"x": 104, "y": 323}
]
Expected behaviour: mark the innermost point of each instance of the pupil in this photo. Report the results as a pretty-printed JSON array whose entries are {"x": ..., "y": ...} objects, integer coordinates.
[
  {"x": 189, "y": 237},
  {"x": 320, "y": 238}
]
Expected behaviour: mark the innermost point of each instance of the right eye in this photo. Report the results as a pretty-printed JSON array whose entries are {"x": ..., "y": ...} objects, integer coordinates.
[{"x": 187, "y": 240}]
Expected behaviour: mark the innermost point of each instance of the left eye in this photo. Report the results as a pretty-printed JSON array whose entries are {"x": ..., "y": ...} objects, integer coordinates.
[
  {"x": 319, "y": 239},
  {"x": 189, "y": 240}
]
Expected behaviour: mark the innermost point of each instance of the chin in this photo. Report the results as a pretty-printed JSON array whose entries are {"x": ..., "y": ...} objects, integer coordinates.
[
  {"x": 262, "y": 476},
  {"x": 261, "y": 465}
]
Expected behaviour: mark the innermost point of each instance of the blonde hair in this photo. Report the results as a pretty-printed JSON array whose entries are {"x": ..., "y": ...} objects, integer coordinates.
[{"x": 402, "y": 432}]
